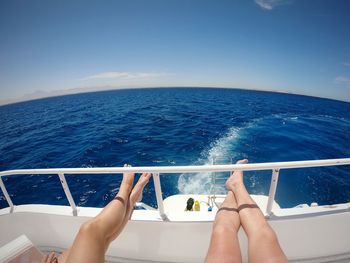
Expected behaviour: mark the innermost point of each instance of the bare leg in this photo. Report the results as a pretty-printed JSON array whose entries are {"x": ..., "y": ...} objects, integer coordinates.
[
  {"x": 263, "y": 245},
  {"x": 134, "y": 197},
  {"x": 224, "y": 245},
  {"x": 95, "y": 235}
]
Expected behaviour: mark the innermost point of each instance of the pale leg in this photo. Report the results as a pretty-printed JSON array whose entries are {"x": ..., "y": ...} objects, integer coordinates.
[
  {"x": 224, "y": 246},
  {"x": 263, "y": 245}
]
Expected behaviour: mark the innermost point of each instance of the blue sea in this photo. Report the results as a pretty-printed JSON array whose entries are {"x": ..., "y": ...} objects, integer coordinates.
[{"x": 174, "y": 126}]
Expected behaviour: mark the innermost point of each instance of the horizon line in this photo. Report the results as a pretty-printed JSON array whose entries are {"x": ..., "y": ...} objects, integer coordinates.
[{"x": 70, "y": 92}]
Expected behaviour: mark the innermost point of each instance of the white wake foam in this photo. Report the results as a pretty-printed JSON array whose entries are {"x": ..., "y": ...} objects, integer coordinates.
[{"x": 222, "y": 148}]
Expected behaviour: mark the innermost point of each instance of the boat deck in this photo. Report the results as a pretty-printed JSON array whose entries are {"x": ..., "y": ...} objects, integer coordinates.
[
  {"x": 171, "y": 234},
  {"x": 306, "y": 234}
]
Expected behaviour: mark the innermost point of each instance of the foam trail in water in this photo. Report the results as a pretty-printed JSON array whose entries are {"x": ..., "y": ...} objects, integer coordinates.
[{"x": 200, "y": 183}]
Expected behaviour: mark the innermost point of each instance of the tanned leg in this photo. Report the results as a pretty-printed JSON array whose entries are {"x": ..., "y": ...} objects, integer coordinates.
[
  {"x": 224, "y": 246},
  {"x": 263, "y": 245},
  {"x": 95, "y": 235},
  {"x": 135, "y": 195}
]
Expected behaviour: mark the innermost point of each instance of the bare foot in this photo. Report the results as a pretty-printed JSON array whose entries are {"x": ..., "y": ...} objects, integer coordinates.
[
  {"x": 236, "y": 178},
  {"x": 51, "y": 258},
  {"x": 128, "y": 178},
  {"x": 136, "y": 194}
]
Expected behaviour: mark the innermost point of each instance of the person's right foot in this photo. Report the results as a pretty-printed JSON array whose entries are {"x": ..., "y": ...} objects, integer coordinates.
[
  {"x": 236, "y": 178},
  {"x": 136, "y": 193}
]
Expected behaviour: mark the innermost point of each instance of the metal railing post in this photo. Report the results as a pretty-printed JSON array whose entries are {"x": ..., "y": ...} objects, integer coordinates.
[
  {"x": 213, "y": 179},
  {"x": 6, "y": 194},
  {"x": 159, "y": 197},
  {"x": 272, "y": 192},
  {"x": 68, "y": 193}
]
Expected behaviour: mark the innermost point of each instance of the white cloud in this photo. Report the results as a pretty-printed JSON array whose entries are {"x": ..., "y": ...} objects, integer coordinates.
[
  {"x": 123, "y": 75},
  {"x": 347, "y": 64},
  {"x": 270, "y": 4},
  {"x": 342, "y": 80}
]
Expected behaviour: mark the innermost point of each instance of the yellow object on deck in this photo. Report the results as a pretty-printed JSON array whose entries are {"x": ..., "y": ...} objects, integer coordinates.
[{"x": 197, "y": 207}]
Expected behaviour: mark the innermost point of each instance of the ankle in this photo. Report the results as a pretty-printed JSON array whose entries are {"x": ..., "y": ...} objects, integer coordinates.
[{"x": 235, "y": 186}]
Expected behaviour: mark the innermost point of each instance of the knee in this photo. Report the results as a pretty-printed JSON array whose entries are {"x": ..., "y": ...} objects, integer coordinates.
[
  {"x": 221, "y": 229},
  {"x": 266, "y": 234},
  {"x": 222, "y": 224},
  {"x": 89, "y": 228}
]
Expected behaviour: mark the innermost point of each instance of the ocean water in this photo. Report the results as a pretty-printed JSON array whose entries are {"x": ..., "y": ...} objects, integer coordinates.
[{"x": 174, "y": 126}]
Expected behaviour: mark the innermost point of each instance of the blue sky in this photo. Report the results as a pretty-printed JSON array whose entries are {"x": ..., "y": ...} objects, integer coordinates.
[{"x": 51, "y": 47}]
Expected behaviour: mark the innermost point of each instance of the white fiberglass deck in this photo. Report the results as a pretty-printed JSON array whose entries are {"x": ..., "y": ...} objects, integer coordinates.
[{"x": 170, "y": 234}]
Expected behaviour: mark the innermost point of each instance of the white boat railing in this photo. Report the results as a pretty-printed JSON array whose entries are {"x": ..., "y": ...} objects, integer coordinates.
[{"x": 275, "y": 167}]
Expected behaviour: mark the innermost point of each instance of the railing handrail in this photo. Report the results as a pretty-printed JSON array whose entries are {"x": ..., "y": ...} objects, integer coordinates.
[
  {"x": 157, "y": 170},
  {"x": 183, "y": 169}
]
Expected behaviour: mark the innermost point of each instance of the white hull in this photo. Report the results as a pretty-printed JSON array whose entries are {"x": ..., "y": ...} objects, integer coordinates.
[{"x": 311, "y": 234}]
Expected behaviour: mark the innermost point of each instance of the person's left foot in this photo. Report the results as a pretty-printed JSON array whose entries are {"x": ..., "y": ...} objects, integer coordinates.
[
  {"x": 236, "y": 178},
  {"x": 128, "y": 178}
]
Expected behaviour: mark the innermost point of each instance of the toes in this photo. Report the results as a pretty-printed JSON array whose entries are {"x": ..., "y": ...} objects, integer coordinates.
[
  {"x": 143, "y": 180},
  {"x": 51, "y": 257},
  {"x": 146, "y": 176},
  {"x": 244, "y": 161},
  {"x": 127, "y": 165}
]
